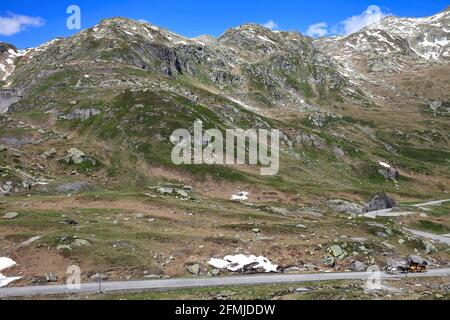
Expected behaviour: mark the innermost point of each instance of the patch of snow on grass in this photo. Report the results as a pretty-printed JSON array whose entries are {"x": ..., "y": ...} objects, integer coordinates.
[
  {"x": 385, "y": 165},
  {"x": 239, "y": 262}
]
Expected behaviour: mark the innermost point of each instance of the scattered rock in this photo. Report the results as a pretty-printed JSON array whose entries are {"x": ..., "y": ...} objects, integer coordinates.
[
  {"x": 213, "y": 273},
  {"x": 70, "y": 222},
  {"x": 64, "y": 247},
  {"x": 344, "y": 206},
  {"x": 417, "y": 259},
  {"x": 430, "y": 248},
  {"x": 185, "y": 192},
  {"x": 81, "y": 243},
  {"x": 292, "y": 270},
  {"x": 51, "y": 277},
  {"x": 39, "y": 280},
  {"x": 80, "y": 114},
  {"x": 435, "y": 105},
  {"x": 99, "y": 276},
  {"x": 74, "y": 187},
  {"x": 48, "y": 154},
  {"x": 337, "y": 252},
  {"x": 388, "y": 171},
  {"x": 329, "y": 261}
]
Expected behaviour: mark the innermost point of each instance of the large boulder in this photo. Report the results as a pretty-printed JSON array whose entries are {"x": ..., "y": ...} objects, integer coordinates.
[
  {"x": 10, "y": 215},
  {"x": 380, "y": 201},
  {"x": 358, "y": 266},
  {"x": 194, "y": 269},
  {"x": 75, "y": 156}
]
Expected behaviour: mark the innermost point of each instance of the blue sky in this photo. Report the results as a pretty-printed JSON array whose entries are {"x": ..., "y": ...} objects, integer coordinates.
[{"x": 28, "y": 23}]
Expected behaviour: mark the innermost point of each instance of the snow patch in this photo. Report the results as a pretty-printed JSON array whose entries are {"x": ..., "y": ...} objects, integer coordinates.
[
  {"x": 385, "y": 165},
  {"x": 242, "y": 196},
  {"x": 240, "y": 262},
  {"x": 263, "y": 38},
  {"x": 6, "y": 263},
  {"x": 245, "y": 106}
]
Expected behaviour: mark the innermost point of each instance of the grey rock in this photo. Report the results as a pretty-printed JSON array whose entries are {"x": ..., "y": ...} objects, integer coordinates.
[
  {"x": 395, "y": 263},
  {"x": 64, "y": 247},
  {"x": 435, "y": 105},
  {"x": 344, "y": 206},
  {"x": 194, "y": 269},
  {"x": 337, "y": 252},
  {"x": 10, "y": 215},
  {"x": 75, "y": 156},
  {"x": 39, "y": 280},
  {"x": 48, "y": 154},
  {"x": 99, "y": 276},
  {"x": 380, "y": 201},
  {"x": 80, "y": 114},
  {"x": 329, "y": 261},
  {"x": 358, "y": 266},
  {"x": 70, "y": 222},
  {"x": 73, "y": 187},
  {"x": 389, "y": 173},
  {"x": 213, "y": 273},
  {"x": 81, "y": 243},
  {"x": 292, "y": 270},
  {"x": 417, "y": 259},
  {"x": 51, "y": 277}
]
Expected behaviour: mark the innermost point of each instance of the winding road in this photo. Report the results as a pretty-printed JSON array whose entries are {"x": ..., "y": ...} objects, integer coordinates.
[{"x": 186, "y": 283}]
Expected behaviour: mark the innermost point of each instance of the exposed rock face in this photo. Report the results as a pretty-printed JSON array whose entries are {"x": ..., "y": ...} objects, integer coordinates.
[
  {"x": 7, "y": 98},
  {"x": 389, "y": 173},
  {"x": 358, "y": 266},
  {"x": 380, "y": 201},
  {"x": 8, "y": 56},
  {"x": 392, "y": 44},
  {"x": 254, "y": 63},
  {"x": 80, "y": 114},
  {"x": 343, "y": 206}
]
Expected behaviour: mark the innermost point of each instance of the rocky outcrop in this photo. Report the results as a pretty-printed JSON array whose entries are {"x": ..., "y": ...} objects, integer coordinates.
[
  {"x": 7, "y": 98},
  {"x": 380, "y": 201}
]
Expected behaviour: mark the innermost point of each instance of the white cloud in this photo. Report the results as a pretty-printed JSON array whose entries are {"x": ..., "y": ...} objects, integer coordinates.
[
  {"x": 317, "y": 30},
  {"x": 270, "y": 24},
  {"x": 370, "y": 16},
  {"x": 15, "y": 23},
  {"x": 143, "y": 20}
]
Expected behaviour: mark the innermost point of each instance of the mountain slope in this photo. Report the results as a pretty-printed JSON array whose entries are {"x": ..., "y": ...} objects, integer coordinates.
[
  {"x": 393, "y": 44},
  {"x": 126, "y": 85}
]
